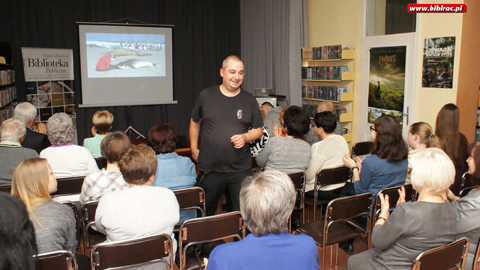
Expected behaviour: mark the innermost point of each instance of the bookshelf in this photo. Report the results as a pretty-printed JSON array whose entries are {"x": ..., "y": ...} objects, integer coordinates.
[
  {"x": 324, "y": 80},
  {"x": 8, "y": 91}
]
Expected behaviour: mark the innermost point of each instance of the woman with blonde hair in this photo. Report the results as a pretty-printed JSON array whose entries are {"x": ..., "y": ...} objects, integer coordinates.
[
  {"x": 420, "y": 136},
  {"x": 54, "y": 223}
]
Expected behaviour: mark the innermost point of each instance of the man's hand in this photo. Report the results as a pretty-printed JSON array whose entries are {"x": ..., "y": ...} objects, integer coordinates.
[
  {"x": 41, "y": 128},
  {"x": 238, "y": 140},
  {"x": 195, "y": 153}
]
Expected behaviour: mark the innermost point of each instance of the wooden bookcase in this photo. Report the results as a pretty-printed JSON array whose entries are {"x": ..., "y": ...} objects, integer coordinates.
[{"x": 345, "y": 101}]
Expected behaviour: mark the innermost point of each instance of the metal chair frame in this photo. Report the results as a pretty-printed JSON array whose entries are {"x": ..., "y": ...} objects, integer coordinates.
[
  {"x": 448, "y": 256},
  {"x": 334, "y": 217},
  {"x": 191, "y": 226},
  {"x": 53, "y": 259},
  {"x": 298, "y": 180},
  {"x": 127, "y": 253},
  {"x": 326, "y": 177}
]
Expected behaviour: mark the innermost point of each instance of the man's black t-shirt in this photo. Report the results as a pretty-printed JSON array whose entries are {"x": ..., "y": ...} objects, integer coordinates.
[{"x": 222, "y": 117}]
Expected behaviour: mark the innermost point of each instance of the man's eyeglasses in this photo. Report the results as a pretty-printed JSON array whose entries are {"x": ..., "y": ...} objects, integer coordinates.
[{"x": 372, "y": 128}]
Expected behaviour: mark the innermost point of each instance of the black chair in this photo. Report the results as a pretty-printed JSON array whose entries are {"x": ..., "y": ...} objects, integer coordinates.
[
  {"x": 58, "y": 260},
  {"x": 298, "y": 180},
  {"x": 467, "y": 181},
  {"x": 70, "y": 185},
  {"x": 476, "y": 259},
  {"x": 133, "y": 253},
  {"x": 327, "y": 177},
  {"x": 6, "y": 188},
  {"x": 464, "y": 192},
  {"x": 190, "y": 198},
  {"x": 449, "y": 256},
  {"x": 393, "y": 196},
  {"x": 90, "y": 236},
  {"x": 207, "y": 229},
  {"x": 337, "y": 226},
  {"x": 101, "y": 162},
  {"x": 362, "y": 148}
]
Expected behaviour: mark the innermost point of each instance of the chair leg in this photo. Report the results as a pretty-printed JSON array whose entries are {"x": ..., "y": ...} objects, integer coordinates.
[
  {"x": 331, "y": 255},
  {"x": 323, "y": 257},
  {"x": 336, "y": 254}
]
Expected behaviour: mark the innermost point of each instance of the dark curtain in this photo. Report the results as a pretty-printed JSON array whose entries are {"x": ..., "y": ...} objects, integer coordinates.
[{"x": 205, "y": 32}]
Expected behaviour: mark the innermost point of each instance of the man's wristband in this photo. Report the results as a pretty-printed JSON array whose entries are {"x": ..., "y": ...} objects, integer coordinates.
[{"x": 353, "y": 168}]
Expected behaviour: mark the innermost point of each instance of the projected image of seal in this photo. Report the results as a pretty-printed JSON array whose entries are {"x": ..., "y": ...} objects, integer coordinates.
[{"x": 134, "y": 63}]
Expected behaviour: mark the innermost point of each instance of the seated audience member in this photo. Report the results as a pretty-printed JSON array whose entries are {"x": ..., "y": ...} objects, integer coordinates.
[
  {"x": 413, "y": 227},
  {"x": 66, "y": 159},
  {"x": 277, "y": 130},
  {"x": 55, "y": 229},
  {"x": 109, "y": 179},
  {"x": 141, "y": 210},
  {"x": 452, "y": 141},
  {"x": 288, "y": 154},
  {"x": 469, "y": 207},
  {"x": 420, "y": 136},
  {"x": 386, "y": 167},
  {"x": 102, "y": 123},
  {"x": 17, "y": 236},
  {"x": 266, "y": 202},
  {"x": 271, "y": 116},
  {"x": 37, "y": 141},
  {"x": 11, "y": 150},
  {"x": 173, "y": 171},
  {"x": 258, "y": 145},
  {"x": 326, "y": 154},
  {"x": 326, "y": 106}
]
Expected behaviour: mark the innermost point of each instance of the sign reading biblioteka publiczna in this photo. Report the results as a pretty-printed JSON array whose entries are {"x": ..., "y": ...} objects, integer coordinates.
[{"x": 41, "y": 64}]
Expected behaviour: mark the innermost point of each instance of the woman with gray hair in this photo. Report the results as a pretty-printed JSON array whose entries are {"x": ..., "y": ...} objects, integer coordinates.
[
  {"x": 413, "y": 227},
  {"x": 266, "y": 202},
  {"x": 66, "y": 159}
]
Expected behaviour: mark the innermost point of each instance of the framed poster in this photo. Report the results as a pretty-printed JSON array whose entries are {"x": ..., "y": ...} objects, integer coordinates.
[{"x": 386, "y": 86}]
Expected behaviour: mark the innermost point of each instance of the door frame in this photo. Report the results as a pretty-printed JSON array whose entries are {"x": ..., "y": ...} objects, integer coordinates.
[{"x": 410, "y": 40}]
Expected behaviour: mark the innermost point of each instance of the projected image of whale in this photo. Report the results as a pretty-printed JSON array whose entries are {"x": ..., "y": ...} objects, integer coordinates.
[{"x": 125, "y": 55}]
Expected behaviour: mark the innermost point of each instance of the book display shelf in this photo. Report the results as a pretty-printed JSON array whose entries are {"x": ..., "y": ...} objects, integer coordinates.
[
  {"x": 8, "y": 91},
  {"x": 327, "y": 74}
]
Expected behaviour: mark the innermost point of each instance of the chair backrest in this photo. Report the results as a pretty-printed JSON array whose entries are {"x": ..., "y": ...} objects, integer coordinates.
[
  {"x": 362, "y": 148},
  {"x": 6, "y": 188},
  {"x": 298, "y": 180},
  {"x": 101, "y": 162},
  {"x": 70, "y": 185},
  {"x": 444, "y": 257},
  {"x": 467, "y": 181},
  {"x": 464, "y": 192},
  {"x": 333, "y": 176},
  {"x": 191, "y": 198},
  {"x": 138, "y": 252},
  {"x": 349, "y": 207},
  {"x": 476, "y": 259},
  {"x": 393, "y": 196},
  {"x": 88, "y": 211},
  {"x": 58, "y": 260},
  {"x": 209, "y": 229}
]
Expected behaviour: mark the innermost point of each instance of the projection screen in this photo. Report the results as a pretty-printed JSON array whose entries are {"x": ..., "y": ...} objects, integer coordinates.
[{"x": 125, "y": 64}]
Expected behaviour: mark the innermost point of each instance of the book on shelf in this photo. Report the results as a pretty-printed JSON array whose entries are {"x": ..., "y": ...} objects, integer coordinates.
[
  {"x": 340, "y": 91},
  {"x": 323, "y": 73},
  {"x": 323, "y": 52}
]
